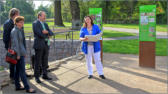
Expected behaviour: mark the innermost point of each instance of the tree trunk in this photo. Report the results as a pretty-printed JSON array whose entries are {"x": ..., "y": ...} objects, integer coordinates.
[
  {"x": 75, "y": 11},
  {"x": 57, "y": 13},
  {"x": 106, "y": 11}
]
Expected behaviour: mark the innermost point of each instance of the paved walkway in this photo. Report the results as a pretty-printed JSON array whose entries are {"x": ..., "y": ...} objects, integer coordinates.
[
  {"x": 134, "y": 37},
  {"x": 131, "y": 30},
  {"x": 159, "y": 35},
  {"x": 123, "y": 74}
]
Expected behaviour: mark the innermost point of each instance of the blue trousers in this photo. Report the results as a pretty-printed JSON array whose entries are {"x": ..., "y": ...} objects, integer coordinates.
[
  {"x": 20, "y": 72},
  {"x": 12, "y": 70}
]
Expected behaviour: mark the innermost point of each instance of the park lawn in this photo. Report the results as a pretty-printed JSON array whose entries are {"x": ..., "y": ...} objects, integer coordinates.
[
  {"x": 106, "y": 34},
  {"x": 67, "y": 24},
  {"x": 28, "y": 66},
  {"x": 63, "y": 35},
  {"x": 1, "y": 68},
  {"x": 1, "y": 28},
  {"x": 28, "y": 26},
  {"x": 49, "y": 23},
  {"x": 111, "y": 33},
  {"x": 132, "y": 46},
  {"x": 160, "y": 28}
]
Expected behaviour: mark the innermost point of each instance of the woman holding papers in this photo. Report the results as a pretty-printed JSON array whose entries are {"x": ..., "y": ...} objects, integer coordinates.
[{"x": 91, "y": 48}]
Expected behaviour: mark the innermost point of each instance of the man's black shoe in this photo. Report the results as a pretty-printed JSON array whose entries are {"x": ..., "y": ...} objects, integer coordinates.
[
  {"x": 90, "y": 76},
  {"x": 37, "y": 80},
  {"x": 47, "y": 78},
  {"x": 102, "y": 76},
  {"x": 28, "y": 76}
]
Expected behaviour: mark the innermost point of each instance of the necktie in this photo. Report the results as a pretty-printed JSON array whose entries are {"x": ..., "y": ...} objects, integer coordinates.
[
  {"x": 47, "y": 39},
  {"x": 43, "y": 26}
]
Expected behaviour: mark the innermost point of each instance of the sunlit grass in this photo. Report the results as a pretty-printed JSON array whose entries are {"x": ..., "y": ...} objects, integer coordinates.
[
  {"x": 132, "y": 46},
  {"x": 1, "y": 68}
]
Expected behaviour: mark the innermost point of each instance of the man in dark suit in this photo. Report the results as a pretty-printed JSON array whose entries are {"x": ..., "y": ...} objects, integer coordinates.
[
  {"x": 7, "y": 27},
  {"x": 41, "y": 46}
]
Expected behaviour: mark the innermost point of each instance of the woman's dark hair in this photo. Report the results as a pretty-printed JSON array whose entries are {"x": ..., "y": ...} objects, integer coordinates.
[{"x": 85, "y": 24}]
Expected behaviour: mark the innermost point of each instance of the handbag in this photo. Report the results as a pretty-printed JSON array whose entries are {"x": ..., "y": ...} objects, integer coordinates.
[{"x": 11, "y": 56}]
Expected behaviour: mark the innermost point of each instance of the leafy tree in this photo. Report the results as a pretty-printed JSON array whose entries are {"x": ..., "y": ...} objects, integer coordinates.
[
  {"x": 75, "y": 11},
  {"x": 51, "y": 11},
  {"x": 66, "y": 11},
  {"x": 25, "y": 7},
  {"x": 45, "y": 9},
  {"x": 3, "y": 15},
  {"x": 5, "y": 7},
  {"x": 57, "y": 11}
]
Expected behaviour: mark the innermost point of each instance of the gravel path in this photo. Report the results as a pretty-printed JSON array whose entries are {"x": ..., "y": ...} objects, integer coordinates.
[{"x": 159, "y": 35}]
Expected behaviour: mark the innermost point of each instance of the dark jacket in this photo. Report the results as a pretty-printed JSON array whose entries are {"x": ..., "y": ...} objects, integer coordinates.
[
  {"x": 7, "y": 27},
  {"x": 39, "y": 37}
]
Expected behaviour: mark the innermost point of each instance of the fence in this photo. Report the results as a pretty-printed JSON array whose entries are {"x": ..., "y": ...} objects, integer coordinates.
[{"x": 63, "y": 44}]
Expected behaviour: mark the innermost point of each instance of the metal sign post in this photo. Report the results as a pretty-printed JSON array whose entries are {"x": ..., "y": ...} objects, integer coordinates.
[{"x": 147, "y": 36}]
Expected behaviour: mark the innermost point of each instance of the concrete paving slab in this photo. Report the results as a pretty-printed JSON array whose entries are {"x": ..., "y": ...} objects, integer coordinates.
[{"x": 123, "y": 74}]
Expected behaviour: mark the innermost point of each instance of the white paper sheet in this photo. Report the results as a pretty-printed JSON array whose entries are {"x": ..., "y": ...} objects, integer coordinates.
[{"x": 94, "y": 38}]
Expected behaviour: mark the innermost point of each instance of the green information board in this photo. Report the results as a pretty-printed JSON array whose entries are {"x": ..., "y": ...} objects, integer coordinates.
[
  {"x": 147, "y": 23},
  {"x": 96, "y": 14}
]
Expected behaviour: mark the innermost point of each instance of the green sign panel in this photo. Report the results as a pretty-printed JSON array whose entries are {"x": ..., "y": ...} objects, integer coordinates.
[
  {"x": 147, "y": 23},
  {"x": 96, "y": 14}
]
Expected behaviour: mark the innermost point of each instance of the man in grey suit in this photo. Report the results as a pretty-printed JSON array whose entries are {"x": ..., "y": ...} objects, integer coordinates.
[{"x": 41, "y": 46}]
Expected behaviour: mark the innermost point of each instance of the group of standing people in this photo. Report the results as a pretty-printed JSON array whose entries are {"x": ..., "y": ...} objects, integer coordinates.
[{"x": 14, "y": 38}]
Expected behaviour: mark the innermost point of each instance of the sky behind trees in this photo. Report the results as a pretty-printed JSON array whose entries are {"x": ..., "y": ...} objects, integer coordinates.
[{"x": 44, "y": 3}]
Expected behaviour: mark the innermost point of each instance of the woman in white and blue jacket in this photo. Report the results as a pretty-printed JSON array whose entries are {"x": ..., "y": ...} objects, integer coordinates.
[{"x": 91, "y": 48}]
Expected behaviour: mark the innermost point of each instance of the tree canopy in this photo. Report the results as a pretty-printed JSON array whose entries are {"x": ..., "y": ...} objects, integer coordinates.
[{"x": 126, "y": 11}]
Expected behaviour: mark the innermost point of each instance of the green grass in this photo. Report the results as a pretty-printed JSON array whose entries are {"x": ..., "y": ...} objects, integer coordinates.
[
  {"x": 1, "y": 68},
  {"x": 67, "y": 24},
  {"x": 160, "y": 28},
  {"x": 28, "y": 66},
  {"x": 132, "y": 46},
  {"x": 63, "y": 35},
  {"x": 110, "y": 33},
  {"x": 106, "y": 34},
  {"x": 28, "y": 26}
]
